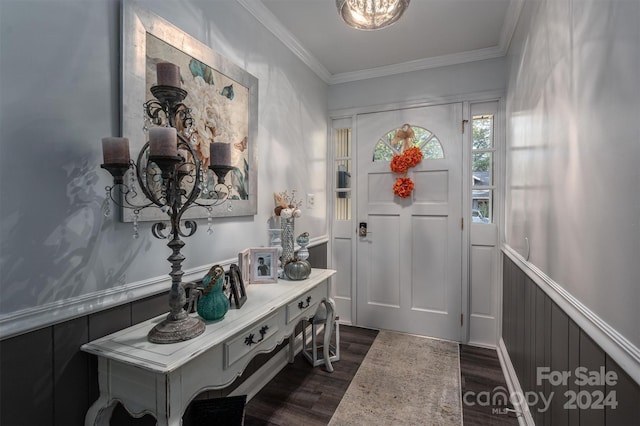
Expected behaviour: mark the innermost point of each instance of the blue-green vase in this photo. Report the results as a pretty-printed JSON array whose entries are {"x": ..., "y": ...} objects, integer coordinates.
[{"x": 213, "y": 304}]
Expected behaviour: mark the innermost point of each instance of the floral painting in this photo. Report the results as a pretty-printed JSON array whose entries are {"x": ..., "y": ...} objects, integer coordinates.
[
  {"x": 219, "y": 107},
  {"x": 222, "y": 96}
]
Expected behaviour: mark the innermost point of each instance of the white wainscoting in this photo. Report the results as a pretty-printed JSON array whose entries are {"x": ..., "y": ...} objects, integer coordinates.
[{"x": 618, "y": 347}]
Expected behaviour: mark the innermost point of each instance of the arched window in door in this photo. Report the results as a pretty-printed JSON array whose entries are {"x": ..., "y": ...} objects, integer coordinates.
[{"x": 424, "y": 139}]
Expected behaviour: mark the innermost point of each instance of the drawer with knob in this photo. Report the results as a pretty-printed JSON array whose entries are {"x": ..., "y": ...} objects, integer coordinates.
[
  {"x": 250, "y": 340},
  {"x": 306, "y": 304}
]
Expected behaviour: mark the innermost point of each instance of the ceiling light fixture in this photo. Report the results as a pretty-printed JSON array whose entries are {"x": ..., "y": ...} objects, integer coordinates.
[{"x": 371, "y": 14}]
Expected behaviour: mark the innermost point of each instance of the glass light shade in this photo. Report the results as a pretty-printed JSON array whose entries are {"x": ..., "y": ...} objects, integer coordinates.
[{"x": 371, "y": 14}]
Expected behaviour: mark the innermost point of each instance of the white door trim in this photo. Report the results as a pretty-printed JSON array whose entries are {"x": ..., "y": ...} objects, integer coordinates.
[{"x": 474, "y": 97}]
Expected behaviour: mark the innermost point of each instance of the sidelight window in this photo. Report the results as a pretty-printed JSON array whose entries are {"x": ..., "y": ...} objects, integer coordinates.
[
  {"x": 343, "y": 173},
  {"x": 482, "y": 172}
]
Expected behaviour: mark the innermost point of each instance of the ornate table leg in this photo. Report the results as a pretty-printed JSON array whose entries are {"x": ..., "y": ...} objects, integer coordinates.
[
  {"x": 292, "y": 348},
  {"x": 174, "y": 420},
  {"x": 328, "y": 330},
  {"x": 100, "y": 411}
]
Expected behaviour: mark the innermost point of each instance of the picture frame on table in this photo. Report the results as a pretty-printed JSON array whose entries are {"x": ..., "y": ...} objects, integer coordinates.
[
  {"x": 244, "y": 263},
  {"x": 238, "y": 294},
  {"x": 226, "y": 289},
  {"x": 263, "y": 265}
]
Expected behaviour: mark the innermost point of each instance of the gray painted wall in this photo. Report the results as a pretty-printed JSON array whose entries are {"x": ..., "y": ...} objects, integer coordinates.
[
  {"x": 59, "y": 95},
  {"x": 573, "y": 106},
  {"x": 431, "y": 85}
]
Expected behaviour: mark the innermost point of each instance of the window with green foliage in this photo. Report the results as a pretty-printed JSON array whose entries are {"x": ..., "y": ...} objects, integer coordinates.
[
  {"x": 482, "y": 156},
  {"x": 428, "y": 143},
  {"x": 342, "y": 186}
]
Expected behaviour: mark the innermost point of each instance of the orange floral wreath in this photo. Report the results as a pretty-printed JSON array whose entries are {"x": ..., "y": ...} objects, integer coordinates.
[
  {"x": 413, "y": 156},
  {"x": 400, "y": 164},
  {"x": 403, "y": 187}
]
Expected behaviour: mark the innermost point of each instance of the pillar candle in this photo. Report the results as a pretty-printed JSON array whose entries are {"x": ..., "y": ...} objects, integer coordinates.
[
  {"x": 220, "y": 154},
  {"x": 163, "y": 142},
  {"x": 168, "y": 74},
  {"x": 115, "y": 150}
]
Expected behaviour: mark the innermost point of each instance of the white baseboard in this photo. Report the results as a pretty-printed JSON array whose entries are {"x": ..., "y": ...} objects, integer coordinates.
[{"x": 513, "y": 384}]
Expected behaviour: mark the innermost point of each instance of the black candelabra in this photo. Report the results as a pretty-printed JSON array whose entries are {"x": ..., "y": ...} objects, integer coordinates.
[{"x": 171, "y": 177}]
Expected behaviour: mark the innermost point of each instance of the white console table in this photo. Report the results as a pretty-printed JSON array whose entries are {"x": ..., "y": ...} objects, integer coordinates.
[{"x": 162, "y": 379}]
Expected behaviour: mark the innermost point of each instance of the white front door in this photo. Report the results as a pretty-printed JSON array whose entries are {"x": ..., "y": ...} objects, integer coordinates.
[{"x": 409, "y": 265}]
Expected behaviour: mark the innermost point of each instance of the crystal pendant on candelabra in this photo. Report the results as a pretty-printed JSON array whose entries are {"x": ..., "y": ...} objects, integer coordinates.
[
  {"x": 135, "y": 225},
  {"x": 201, "y": 184},
  {"x": 132, "y": 179},
  {"x": 106, "y": 205},
  {"x": 146, "y": 121},
  {"x": 209, "y": 221}
]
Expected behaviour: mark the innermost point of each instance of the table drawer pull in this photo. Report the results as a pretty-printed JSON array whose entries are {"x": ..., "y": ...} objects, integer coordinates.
[
  {"x": 305, "y": 304},
  {"x": 252, "y": 339},
  {"x": 302, "y": 305},
  {"x": 249, "y": 340}
]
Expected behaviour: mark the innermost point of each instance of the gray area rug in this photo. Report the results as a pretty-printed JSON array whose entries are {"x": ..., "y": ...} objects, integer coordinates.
[{"x": 404, "y": 380}]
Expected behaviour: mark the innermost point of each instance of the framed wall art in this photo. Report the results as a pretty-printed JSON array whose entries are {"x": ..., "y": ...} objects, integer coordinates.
[
  {"x": 264, "y": 265},
  {"x": 223, "y": 99}
]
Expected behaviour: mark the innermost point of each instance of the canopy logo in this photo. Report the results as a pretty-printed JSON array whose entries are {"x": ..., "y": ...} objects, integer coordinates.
[{"x": 589, "y": 395}]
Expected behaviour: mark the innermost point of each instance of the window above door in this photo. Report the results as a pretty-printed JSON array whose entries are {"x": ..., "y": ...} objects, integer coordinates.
[{"x": 389, "y": 144}]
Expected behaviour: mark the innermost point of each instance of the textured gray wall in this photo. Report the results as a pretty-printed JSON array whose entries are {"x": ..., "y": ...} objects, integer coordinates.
[
  {"x": 417, "y": 86},
  {"x": 59, "y": 95},
  {"x": 572, "y": 183}
]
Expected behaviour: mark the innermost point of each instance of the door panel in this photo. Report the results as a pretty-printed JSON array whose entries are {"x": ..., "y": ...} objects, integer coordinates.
[
  {"x": 429, "y": 291},
  {"x": 431, "y": 186},
  {"x": 409, "y": 274},
  {"x": 385, "y": 265}
]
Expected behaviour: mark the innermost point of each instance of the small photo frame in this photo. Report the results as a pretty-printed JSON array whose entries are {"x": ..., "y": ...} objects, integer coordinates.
[
  {"x": 264, "y": 265},
  {"x": 244, "y": 263},
  {"x": 226, "y": 288},
  {"x": 238, "y": 294}
]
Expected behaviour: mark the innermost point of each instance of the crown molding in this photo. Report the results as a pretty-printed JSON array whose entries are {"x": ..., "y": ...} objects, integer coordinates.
[
  {"x": 266, "y": 18},
  {"x": 419, "y": 64},
  {"x": 510, "y": 22},
  {"x": 270, "y": 22}
]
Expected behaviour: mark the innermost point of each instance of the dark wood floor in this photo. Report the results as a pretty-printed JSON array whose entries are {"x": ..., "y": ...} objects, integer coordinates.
[
  {"x": 480, "y": 372},
  {"x": 301, "y": 395}
]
